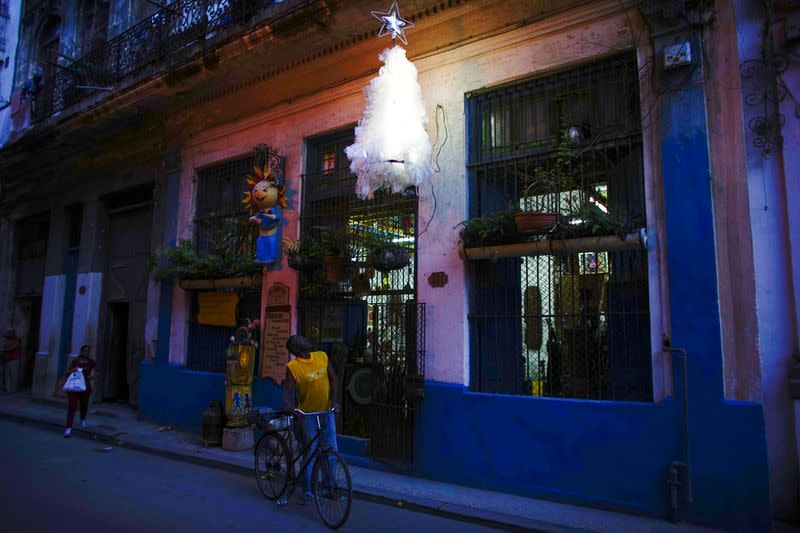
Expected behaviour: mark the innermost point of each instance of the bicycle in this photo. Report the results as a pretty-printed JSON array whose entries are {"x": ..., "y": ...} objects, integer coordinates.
[{"x": 275, "y": 468}]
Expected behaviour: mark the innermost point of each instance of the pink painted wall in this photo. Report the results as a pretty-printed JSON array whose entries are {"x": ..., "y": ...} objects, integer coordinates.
[
  {"x": 729, "y": 178},
  {"x": 445, "y": 77}
]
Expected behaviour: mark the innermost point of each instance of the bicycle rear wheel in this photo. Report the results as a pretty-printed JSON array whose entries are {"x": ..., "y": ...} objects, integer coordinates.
[
  {"x": 332, "y": 488},
  {"x": 272, "y": 465}
]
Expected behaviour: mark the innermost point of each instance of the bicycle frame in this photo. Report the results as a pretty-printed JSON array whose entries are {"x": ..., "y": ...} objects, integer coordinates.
[{"x": 311, "y": 458}]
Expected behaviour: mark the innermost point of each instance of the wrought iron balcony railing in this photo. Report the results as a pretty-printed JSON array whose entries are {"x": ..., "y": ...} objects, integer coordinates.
[{"x": 167, "y": 31}]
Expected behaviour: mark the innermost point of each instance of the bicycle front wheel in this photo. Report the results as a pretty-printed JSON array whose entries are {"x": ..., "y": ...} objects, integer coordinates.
[
  {"x": 332, "y": 488},
  {"x": 272, "y": 465}
]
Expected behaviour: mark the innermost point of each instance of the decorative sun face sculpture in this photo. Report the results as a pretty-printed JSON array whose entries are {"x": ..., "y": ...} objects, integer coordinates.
[{"x": 262, "y": 199}]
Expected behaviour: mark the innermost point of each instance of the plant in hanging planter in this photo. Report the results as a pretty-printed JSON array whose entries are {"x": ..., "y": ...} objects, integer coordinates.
[
  {"x": 383, "y": 254},
  {"x": 335, "y": 254},
  {"x": 490, "y": 230},
  {"x": 303, "y": 255}
]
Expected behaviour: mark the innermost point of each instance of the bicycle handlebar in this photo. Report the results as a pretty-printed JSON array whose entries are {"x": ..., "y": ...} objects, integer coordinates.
[{"x": 299, "y": 411}]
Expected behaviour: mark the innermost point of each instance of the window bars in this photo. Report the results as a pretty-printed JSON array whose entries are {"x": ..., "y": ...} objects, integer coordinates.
[
  {"x": 221, "y": 226},
  {"x": 220, "y": 218},
  {"x": 561, "y": 325}
]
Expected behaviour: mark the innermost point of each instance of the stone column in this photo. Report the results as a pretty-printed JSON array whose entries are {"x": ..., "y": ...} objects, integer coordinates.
[{"x": 46, "y": 364}]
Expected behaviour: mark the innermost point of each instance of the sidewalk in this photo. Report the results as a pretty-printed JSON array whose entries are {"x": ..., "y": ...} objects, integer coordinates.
[{"x": 121, "y": 426}]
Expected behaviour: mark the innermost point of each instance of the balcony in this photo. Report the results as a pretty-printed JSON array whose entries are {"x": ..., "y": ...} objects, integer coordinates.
[{"x": 172, "y": 34}]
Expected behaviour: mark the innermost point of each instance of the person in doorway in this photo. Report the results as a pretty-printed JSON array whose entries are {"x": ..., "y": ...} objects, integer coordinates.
[
  {"x": 311, "y": 378},
  {"x": 85, "y": 362},
  {"x": 12, "y": 352}
]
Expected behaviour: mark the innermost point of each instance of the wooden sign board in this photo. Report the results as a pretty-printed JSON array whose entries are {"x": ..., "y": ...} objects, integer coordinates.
[
  {"x": 217, "y": 308},
  {"x": 277, "y": 330}
]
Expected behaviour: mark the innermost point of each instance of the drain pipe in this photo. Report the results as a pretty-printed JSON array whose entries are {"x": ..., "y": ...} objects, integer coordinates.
[{"x": 673, "y": 476}]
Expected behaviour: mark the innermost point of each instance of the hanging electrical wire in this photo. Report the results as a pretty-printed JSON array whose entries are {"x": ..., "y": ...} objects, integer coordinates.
[{"x": 435, "y": 163}]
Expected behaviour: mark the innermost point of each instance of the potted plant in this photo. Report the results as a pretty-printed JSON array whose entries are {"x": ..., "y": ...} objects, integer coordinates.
[
  {"x": 542, "y": 197},
  {"x": 228, "y": 255},
  {"x": 335, "y": 254},
  {"x": 591, "y": 221},
  {"x": 303, "y": 255},
  {"x": 490, "y": 230},
  {"x": 384, "y": 255},
  {"x": 541, "y": 208}
]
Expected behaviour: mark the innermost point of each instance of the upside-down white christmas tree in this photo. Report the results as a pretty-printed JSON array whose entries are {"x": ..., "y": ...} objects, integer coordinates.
[{"x": 392, "y": 150}]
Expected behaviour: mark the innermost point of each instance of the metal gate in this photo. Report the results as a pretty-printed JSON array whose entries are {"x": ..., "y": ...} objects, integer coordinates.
[{"x": 370, "y": 322}]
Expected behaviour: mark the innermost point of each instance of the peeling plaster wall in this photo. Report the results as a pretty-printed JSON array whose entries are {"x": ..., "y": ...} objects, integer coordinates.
[
  {"x": 600, "y": 453},
  {"x": 46, "y": 365},
  {"x": 791, "y": 172},
  {"x": 775, "y": 305},
  {"x": 729, "y": 179},
  {"x": 444, "y": 78},
  {"x": 85, "y": 320}
]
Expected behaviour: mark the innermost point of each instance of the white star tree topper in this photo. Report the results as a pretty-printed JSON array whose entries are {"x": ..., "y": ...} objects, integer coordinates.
[
  {"x": 393, "y": 23},
  {"x": 392, "y": 150}
]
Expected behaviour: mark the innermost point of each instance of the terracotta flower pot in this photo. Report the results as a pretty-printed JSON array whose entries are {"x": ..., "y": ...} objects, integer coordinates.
[
  {"x": 535, "y": 222},
  {"x": 334, "y": 268}
]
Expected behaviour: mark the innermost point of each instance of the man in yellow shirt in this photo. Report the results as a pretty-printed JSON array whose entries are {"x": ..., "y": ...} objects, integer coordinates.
[{"x": 310, "y": 376}]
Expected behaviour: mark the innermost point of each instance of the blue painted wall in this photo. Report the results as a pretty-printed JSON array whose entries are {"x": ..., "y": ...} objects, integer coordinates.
[
  {"x": 728, "y": 445},
  {"x": 176, "y": 396},
  {"x": 171, "y": 199},
  {"x": 616, "y": 454},
  {"x": 612, "y": 455}
]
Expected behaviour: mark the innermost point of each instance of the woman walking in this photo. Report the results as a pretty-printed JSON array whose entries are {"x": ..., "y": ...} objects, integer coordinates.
[{"x": 87, "y": 364}]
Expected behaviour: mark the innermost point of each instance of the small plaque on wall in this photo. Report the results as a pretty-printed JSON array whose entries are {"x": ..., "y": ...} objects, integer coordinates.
[
  {"x": 277, "y": 295},
  {"x": 437, "y": 280}
]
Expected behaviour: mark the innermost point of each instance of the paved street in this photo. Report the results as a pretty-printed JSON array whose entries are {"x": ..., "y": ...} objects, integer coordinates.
[{"x": 54, "y": 484}]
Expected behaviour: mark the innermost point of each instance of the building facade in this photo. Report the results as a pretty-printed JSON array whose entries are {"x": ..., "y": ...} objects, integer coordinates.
[{"x": 597, "y": 373}]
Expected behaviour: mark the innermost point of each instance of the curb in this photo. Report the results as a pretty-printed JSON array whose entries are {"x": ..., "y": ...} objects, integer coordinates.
[{"x": 434, "y": 507}]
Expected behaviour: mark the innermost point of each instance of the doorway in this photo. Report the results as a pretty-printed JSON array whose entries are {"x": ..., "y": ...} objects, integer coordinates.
[
  {"x": 27, "y": 315},
  {"x": 116, "y": 382},
  {"x": 125, "y": 285},
  {"x": 369, "y": 312}
]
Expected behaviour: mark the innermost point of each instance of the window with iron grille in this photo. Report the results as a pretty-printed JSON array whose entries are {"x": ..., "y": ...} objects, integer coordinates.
[
  {"x": 219, "y": 220},
  {"x": 220, "y": 190},
  {"x": 329, "y": 202},
  {"x": 207, "y": 344},
  {"x": 570, "y": 325}
]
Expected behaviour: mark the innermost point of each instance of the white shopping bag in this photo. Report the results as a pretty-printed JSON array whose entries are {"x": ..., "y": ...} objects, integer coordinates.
[{"x": 75, "y": 382}]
